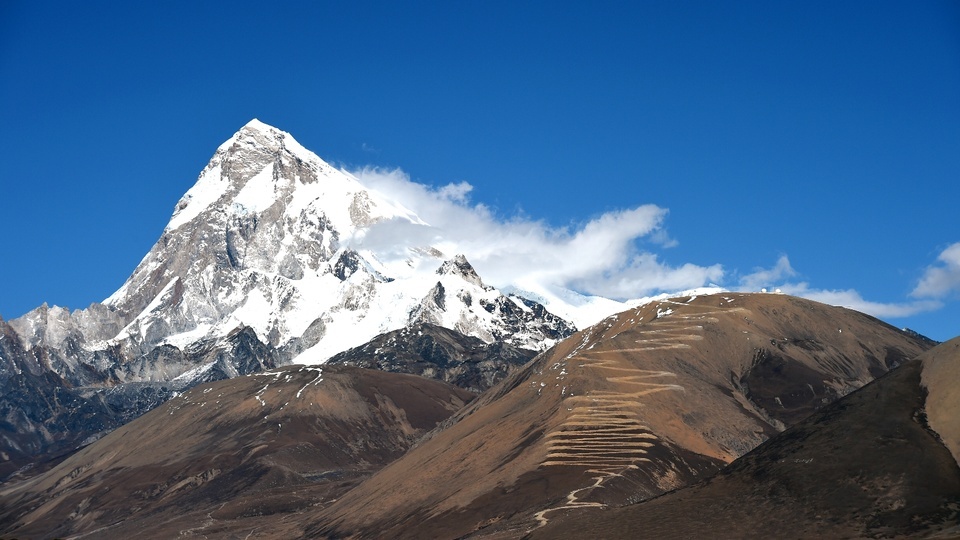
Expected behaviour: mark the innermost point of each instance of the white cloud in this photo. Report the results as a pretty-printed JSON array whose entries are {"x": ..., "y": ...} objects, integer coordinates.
[
  {"x": 644, "y": 274},
  {"x": 761, "y": 277},
  {"x": 599, "y": 257},
  {"x": 455, "y": 192},
  {"x": 778, "y": 277},
  {"x": 941, "y": 280},
  {"x": 852, "y": 299}
]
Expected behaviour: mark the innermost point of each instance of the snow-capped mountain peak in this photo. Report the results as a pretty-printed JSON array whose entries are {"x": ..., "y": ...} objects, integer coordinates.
[
  {"x": 461, "y": 267},
  {"x": 261, "y": 166},
  {"x": 269, "y": 238}
]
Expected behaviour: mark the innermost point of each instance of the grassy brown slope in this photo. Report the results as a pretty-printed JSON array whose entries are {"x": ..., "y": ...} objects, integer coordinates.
[
  {"x": 865, "y": 466},
  {"x": 233, "y": 457},
  {"x": 647, "y": 401}
]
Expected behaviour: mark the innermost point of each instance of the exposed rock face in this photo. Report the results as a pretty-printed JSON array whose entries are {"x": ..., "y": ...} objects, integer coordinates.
[
  {"x": 44, "y": 416},
  {"x": 461, "y": 301},
  {"x": 438, "y": 353}
]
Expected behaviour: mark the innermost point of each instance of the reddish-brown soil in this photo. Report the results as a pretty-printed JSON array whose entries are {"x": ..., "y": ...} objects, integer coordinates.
[
  {"x": 867, "y": 466},
  {"x": 941, "y": 379},
  {"x": 232, "y": 457}
]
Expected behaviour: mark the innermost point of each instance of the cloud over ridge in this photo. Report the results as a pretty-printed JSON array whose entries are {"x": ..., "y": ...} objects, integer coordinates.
[
  {"x": 941, "y": 279},
  {"x": 602, "y": 256},
  {"x": 779, "y": 276},
  {"x": 599, "y": 257}
]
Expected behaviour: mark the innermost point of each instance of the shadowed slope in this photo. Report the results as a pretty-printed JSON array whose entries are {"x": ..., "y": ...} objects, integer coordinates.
[
  {"x": 647, "y": 401},
  {"x": 941, "y": 378},
  {"x": 865, "y": 466},
  {"x": 222, "y": 457}
]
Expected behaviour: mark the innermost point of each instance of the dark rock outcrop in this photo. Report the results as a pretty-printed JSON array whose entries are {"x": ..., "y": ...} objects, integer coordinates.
[{"x": 438, "y": 353}]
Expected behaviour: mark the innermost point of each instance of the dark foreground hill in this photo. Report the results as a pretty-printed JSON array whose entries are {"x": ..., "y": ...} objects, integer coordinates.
[
  {"x": 867, "y": 466},
  {"x": 245, "y": 454}
]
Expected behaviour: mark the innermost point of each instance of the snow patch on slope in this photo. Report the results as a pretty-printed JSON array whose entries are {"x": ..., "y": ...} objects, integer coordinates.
[
  {"x": 209, "y": 188},
  {"x": 258, "y": 194}
]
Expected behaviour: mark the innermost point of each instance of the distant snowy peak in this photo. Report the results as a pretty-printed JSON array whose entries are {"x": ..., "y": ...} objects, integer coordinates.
[
  {"x": 262, "y": 166},
  {"x": 263, "y": 203},
  {"x": 460, "y": 267},
  {"x": 271, "y": 238}
]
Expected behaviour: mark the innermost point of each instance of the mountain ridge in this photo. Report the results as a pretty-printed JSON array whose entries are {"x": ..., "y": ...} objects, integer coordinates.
[
  {"x": 644, "y": 402},
  {"x": 866, "y": 466},
  {"x": 654, "y": 399},
  {"x": 265, "y": 245}
]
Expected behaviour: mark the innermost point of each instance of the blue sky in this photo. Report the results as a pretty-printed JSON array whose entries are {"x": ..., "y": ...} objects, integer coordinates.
[{"x": 815, "y": 145}]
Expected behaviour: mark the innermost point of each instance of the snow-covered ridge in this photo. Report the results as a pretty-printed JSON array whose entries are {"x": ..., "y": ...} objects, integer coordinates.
[
  {"x": 270, "y": 238},
  {"x": 261, "y": 165},
  {"x": 272, "y": 257}
]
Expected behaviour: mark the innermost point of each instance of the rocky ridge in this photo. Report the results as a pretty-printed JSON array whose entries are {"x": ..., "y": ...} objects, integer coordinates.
[{"x": 436, "y": 352}]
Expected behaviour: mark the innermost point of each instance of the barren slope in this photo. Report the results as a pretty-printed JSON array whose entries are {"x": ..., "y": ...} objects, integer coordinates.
[
  {"x": 647, "y": 401},
  {"x": 865, "y": 466},
  {"x": 941, "y": 378},
  {"x": 235, "y": 456}
]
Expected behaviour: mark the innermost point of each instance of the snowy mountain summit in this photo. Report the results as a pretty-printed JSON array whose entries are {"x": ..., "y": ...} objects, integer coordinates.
[{"x": 268, "y": 238}]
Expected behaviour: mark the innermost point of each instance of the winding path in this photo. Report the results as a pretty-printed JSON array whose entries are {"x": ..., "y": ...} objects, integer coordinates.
[{"x": 603, "y": 431}]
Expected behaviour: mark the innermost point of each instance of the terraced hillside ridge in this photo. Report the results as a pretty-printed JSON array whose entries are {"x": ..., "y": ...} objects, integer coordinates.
[
  {"x": 647, "y": 401},
  {"x": 872, "y": 465},
  {"x": 231, "y": 458}
]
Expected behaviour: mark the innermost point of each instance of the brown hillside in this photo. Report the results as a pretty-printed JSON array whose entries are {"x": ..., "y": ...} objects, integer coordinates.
[
  {"x": 867, "y": 466},
  {"x": 647, "y": 401},
  {"x": 233, "y": 456}
]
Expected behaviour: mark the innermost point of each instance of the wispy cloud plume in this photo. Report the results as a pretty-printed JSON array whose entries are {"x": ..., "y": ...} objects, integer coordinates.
[
  {"x": 941, "y": 279},
  {"x": 599, "y": 257},
  {"x": 779, "y": 276},
  {"x": 852, "y": 299},
  {"x": 766, "y": 277}
]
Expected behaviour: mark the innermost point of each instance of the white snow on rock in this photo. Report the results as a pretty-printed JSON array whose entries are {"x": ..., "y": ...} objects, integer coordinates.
[
  {"x": 264, "y": 239},
  {"x": 271, "y": 237}
]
